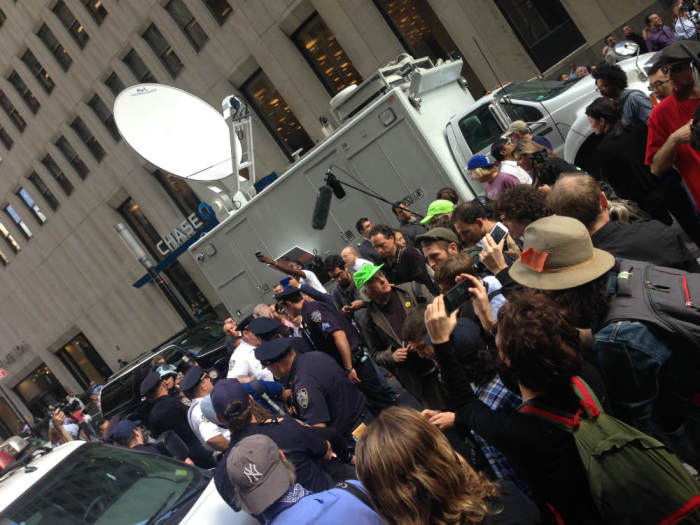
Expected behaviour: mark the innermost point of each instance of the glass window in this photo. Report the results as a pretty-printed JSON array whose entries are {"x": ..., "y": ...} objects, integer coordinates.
[
  {"x": 18, "y": 221},
  {"x": 114, "y": 83},
  {"x": 220, "y": 9},
  {"x": 96, "y": 10},
  {"x": 187, "y": 23},
  {"x": 71, "y": 23},
  {"x": 11, "y": 111},
  {"x": 84, "y": 362},
  {"x": 38, "y": 390},
  {"x": 325, "y": 55},
  {"x": 11, "y": 422},
  {"x": 24, "y": 91},
  {"x": 276, "y": 114},
  {"x": 138, "y": 68},
  {"x": 12, "y": 243},
  {"x": 5, "y": 138},
  {"x": 38, "y": 71},
  {"x": 71, "y": 156},
  {"x": 33, "y": 206},
  {"x": 520, "y": 112},
  {"x": 106, "y": 484},
  {"x": 105, "y": 115},
  {"x": 422, "y": 34},
  {"x": 57, "y": 50},
  {"x": 162, "y": 49},
  {"x": 544, "y": 28},
  {"x": 88, "y": 138},
  {"x": 57, "y": 174},
  {"x": 45, "y": 191},
  {"x": 179, "y": 191},
  {"x": 480, "y": 128}
]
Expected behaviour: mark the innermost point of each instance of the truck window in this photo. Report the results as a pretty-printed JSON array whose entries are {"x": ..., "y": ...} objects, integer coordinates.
[
  {"x": 479, "y": 128},
  {"x": 526, "y": 113}
]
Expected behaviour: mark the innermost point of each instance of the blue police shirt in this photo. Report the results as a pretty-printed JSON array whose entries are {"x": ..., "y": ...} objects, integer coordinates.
[
  {"x": 322, "y": 393},
  {"x": 330, "y": 507},
  {"x": 320, "y": 320}
]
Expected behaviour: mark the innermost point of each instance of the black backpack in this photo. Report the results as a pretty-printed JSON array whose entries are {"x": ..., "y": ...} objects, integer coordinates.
[{"x": 665, "y": 298}]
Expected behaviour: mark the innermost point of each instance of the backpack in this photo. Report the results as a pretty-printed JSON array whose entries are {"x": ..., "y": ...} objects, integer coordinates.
[
  {"x": 632, "y": 477},
  {"x": 666, "y": 298}
]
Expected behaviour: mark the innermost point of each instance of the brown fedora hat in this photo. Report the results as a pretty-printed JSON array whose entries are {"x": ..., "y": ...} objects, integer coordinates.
[{"x": 558, "y": 254}]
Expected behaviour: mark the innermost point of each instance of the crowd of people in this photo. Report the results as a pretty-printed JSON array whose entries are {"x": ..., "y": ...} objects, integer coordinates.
[{"x": 530, "y": 357}]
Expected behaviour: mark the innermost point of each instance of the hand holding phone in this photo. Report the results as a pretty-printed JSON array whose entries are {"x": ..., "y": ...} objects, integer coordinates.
[{"x": 456, "y": 296}]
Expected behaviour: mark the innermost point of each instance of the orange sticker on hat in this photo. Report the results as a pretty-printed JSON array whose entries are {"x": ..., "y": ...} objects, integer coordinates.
[{"x": 534, "y": 259}]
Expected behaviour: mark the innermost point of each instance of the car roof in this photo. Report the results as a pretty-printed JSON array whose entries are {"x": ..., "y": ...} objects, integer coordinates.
[{"x": 16, "y": 482}]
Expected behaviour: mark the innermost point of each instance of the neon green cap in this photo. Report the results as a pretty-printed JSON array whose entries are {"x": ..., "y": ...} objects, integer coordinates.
[
  {"x": 364, "y": 274},
  {"x": 438, "y": 207}
]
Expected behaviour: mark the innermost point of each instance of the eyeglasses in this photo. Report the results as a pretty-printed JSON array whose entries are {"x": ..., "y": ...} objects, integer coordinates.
[{"x": 657, "y": 85}]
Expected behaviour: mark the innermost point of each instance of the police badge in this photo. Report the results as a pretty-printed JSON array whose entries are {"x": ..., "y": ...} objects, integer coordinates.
[{"x": 302, "y": 397}]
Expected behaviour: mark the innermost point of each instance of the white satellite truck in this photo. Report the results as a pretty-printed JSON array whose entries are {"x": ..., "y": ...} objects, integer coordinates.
[{"x": 402, "y": 134}]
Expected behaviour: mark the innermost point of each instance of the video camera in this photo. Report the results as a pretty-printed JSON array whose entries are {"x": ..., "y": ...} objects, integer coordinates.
[{"x": 67, "y": 408}]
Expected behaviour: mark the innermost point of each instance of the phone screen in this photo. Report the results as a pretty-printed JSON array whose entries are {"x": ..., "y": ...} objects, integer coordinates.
[
  {"x": 456, "y": 296},
  {"x": 498, "y": 232}
]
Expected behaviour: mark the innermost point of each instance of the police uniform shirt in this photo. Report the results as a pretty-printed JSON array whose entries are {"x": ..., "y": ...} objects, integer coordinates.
[
  {"x": 320, "y": 321},
  {"x": 243, "y": 363},
  {"x": 169, "y": 413},
  {"x": 322, "y": 393},
  {"x": 202, "y": 427}
]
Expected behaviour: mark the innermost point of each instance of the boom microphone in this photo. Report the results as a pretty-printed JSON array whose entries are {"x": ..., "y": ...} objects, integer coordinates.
[
  {"x": 322, "y": 208},
  {"x": 335, "y": 185}
]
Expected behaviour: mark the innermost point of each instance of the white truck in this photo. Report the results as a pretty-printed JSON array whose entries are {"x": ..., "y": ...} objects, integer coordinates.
[{"x": 403, "y": 133}]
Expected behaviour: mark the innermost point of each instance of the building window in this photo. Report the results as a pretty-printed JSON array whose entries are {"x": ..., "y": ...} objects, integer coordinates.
[
  {"x": 115, "y": 84},
  {"x": 11, "y": 242},
  {"x": 71, "y": 156},
  {"x": 53, "y": 45},
  {"x": 176, "y": 273},
  {"x": 12, "y": 112},
  {"x": 84, "y": 362},
  {"x": 38, "y": 71},
  {"x": 105, "y": 115},
  {"x": 179, "y": 191},
  {"x": 33, "y": 206},
  {"x": 422, "y": 34},
  {"x": 96, "y": 10},
  {"x": 24, "y": 91},
  {"x": 187, "y": 23},
  {"x": 18, "y": 221},
  {"x": 5, "y": 138},
  {"x": 163, "y": 50},
  {"x": 544, "y": 28},
  {"x": 220, "y": 9},
  {"x": 88, "y": 138},
  {"x": 42, "y": 188},
  {"x": 276, "y": 114},
  {"x": 57, "y": 174},
  {"x": 71, "y": 23},
  {"x": 39, "y": 390},
  {"x": 138, "y": 68},
  {"x": 325, "y": 55}
]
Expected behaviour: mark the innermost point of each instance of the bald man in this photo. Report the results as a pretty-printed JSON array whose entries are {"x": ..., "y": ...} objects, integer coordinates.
[{"x": 352, "y": 261}]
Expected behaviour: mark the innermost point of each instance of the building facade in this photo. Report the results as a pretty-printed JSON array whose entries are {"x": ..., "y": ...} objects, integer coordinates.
[{"x": 68, "y": 310}]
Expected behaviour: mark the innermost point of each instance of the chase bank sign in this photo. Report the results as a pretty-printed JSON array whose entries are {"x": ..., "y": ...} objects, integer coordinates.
[{"x": 181, "y": 234}]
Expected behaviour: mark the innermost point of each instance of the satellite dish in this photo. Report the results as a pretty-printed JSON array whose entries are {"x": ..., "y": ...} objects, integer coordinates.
[
  {"x": 176, "y": 131},
  {"x": 626, "y": 48}
]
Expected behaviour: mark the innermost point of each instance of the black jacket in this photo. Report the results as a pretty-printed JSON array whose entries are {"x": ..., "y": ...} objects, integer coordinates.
[
  {"x": 648, "y": 241},
  {"x": 367, "y": 251}
]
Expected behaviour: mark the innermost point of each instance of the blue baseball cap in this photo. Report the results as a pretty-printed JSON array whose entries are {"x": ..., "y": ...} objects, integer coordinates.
[
  {"x": 479, "y": 161},
  {"x": 123, "y": 431},
  {"x": 271, "y": 351},
  {"x": 227, "y": 391},
  {"x": 96, "y": 390},
  {"x": 208, "y": 411}
]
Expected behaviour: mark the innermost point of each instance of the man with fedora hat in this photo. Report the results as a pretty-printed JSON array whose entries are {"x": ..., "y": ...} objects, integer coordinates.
[
  {"x": 668, "y": 142},
  {"x": 197, "y": 384}
]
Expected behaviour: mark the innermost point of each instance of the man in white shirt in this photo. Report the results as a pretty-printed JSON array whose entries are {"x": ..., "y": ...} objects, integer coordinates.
[
  {"x": 293, "y": 269},
  {"x": 502, "y": 152},
  {"x": 351, "y": 259},
  {"x": 196, "y": 385},
  {"x": 243, "y": 365}
]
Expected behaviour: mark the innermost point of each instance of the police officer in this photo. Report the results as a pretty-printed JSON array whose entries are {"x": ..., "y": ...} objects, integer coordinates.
[
  {"x": 322, "y": 394},
  {"x": 332, "y": 333},
  {"x": 170, "y": 413},
  {"x": 197, "y": 384},
  {"x": 267, "y": 328}
]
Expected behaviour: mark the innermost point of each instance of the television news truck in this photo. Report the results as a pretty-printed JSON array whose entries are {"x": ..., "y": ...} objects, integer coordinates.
[{"x": 403, "y": 134}]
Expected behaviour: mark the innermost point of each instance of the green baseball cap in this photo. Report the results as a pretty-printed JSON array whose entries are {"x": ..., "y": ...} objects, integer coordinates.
[
  {"x": 364, "y": 274},
  {"x": 438, "y": 207}
]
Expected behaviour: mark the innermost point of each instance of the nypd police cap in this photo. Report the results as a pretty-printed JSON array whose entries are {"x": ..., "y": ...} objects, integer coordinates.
[
  {"x": 149, "y": 382},
  {"x": 264, "y": 325},
  {"x": 191, "y": 379},
  {"x": 243, "y": 325},
  {"x": 288, "y": 293},
  {"x": 272, "y": 350}
]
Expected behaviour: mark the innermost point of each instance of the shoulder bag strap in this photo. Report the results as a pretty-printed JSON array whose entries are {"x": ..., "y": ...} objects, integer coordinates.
[{"x": 356, "y": 491}]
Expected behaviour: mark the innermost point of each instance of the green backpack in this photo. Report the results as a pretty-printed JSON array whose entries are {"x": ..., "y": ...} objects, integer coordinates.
[{"x": 632, "y": 477}]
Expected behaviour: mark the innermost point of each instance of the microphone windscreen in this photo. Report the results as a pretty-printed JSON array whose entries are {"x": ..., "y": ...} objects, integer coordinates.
[
  {"x": 322, "y": 208},
  {"x": 337, "y": 188}
]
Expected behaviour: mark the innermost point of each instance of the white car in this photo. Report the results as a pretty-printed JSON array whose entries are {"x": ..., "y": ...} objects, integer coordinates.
[{"x": 92, "y": 483}]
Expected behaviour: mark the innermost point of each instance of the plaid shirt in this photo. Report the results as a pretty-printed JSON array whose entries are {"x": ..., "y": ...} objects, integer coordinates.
[{"x": 496, "y": 396}]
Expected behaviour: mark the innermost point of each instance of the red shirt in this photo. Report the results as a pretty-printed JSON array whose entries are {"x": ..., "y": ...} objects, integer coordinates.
[{"x": 666, "y": 117}]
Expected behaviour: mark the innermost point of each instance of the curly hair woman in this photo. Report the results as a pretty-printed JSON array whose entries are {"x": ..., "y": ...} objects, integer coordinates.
[{"x": 414, "y": 477}]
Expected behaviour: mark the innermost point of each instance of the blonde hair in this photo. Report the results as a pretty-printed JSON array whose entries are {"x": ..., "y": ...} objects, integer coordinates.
[
  {"x": 528, "y": 147},
  {"x": 414, "y": 477},
  {"x": 478, "y": 173}
]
